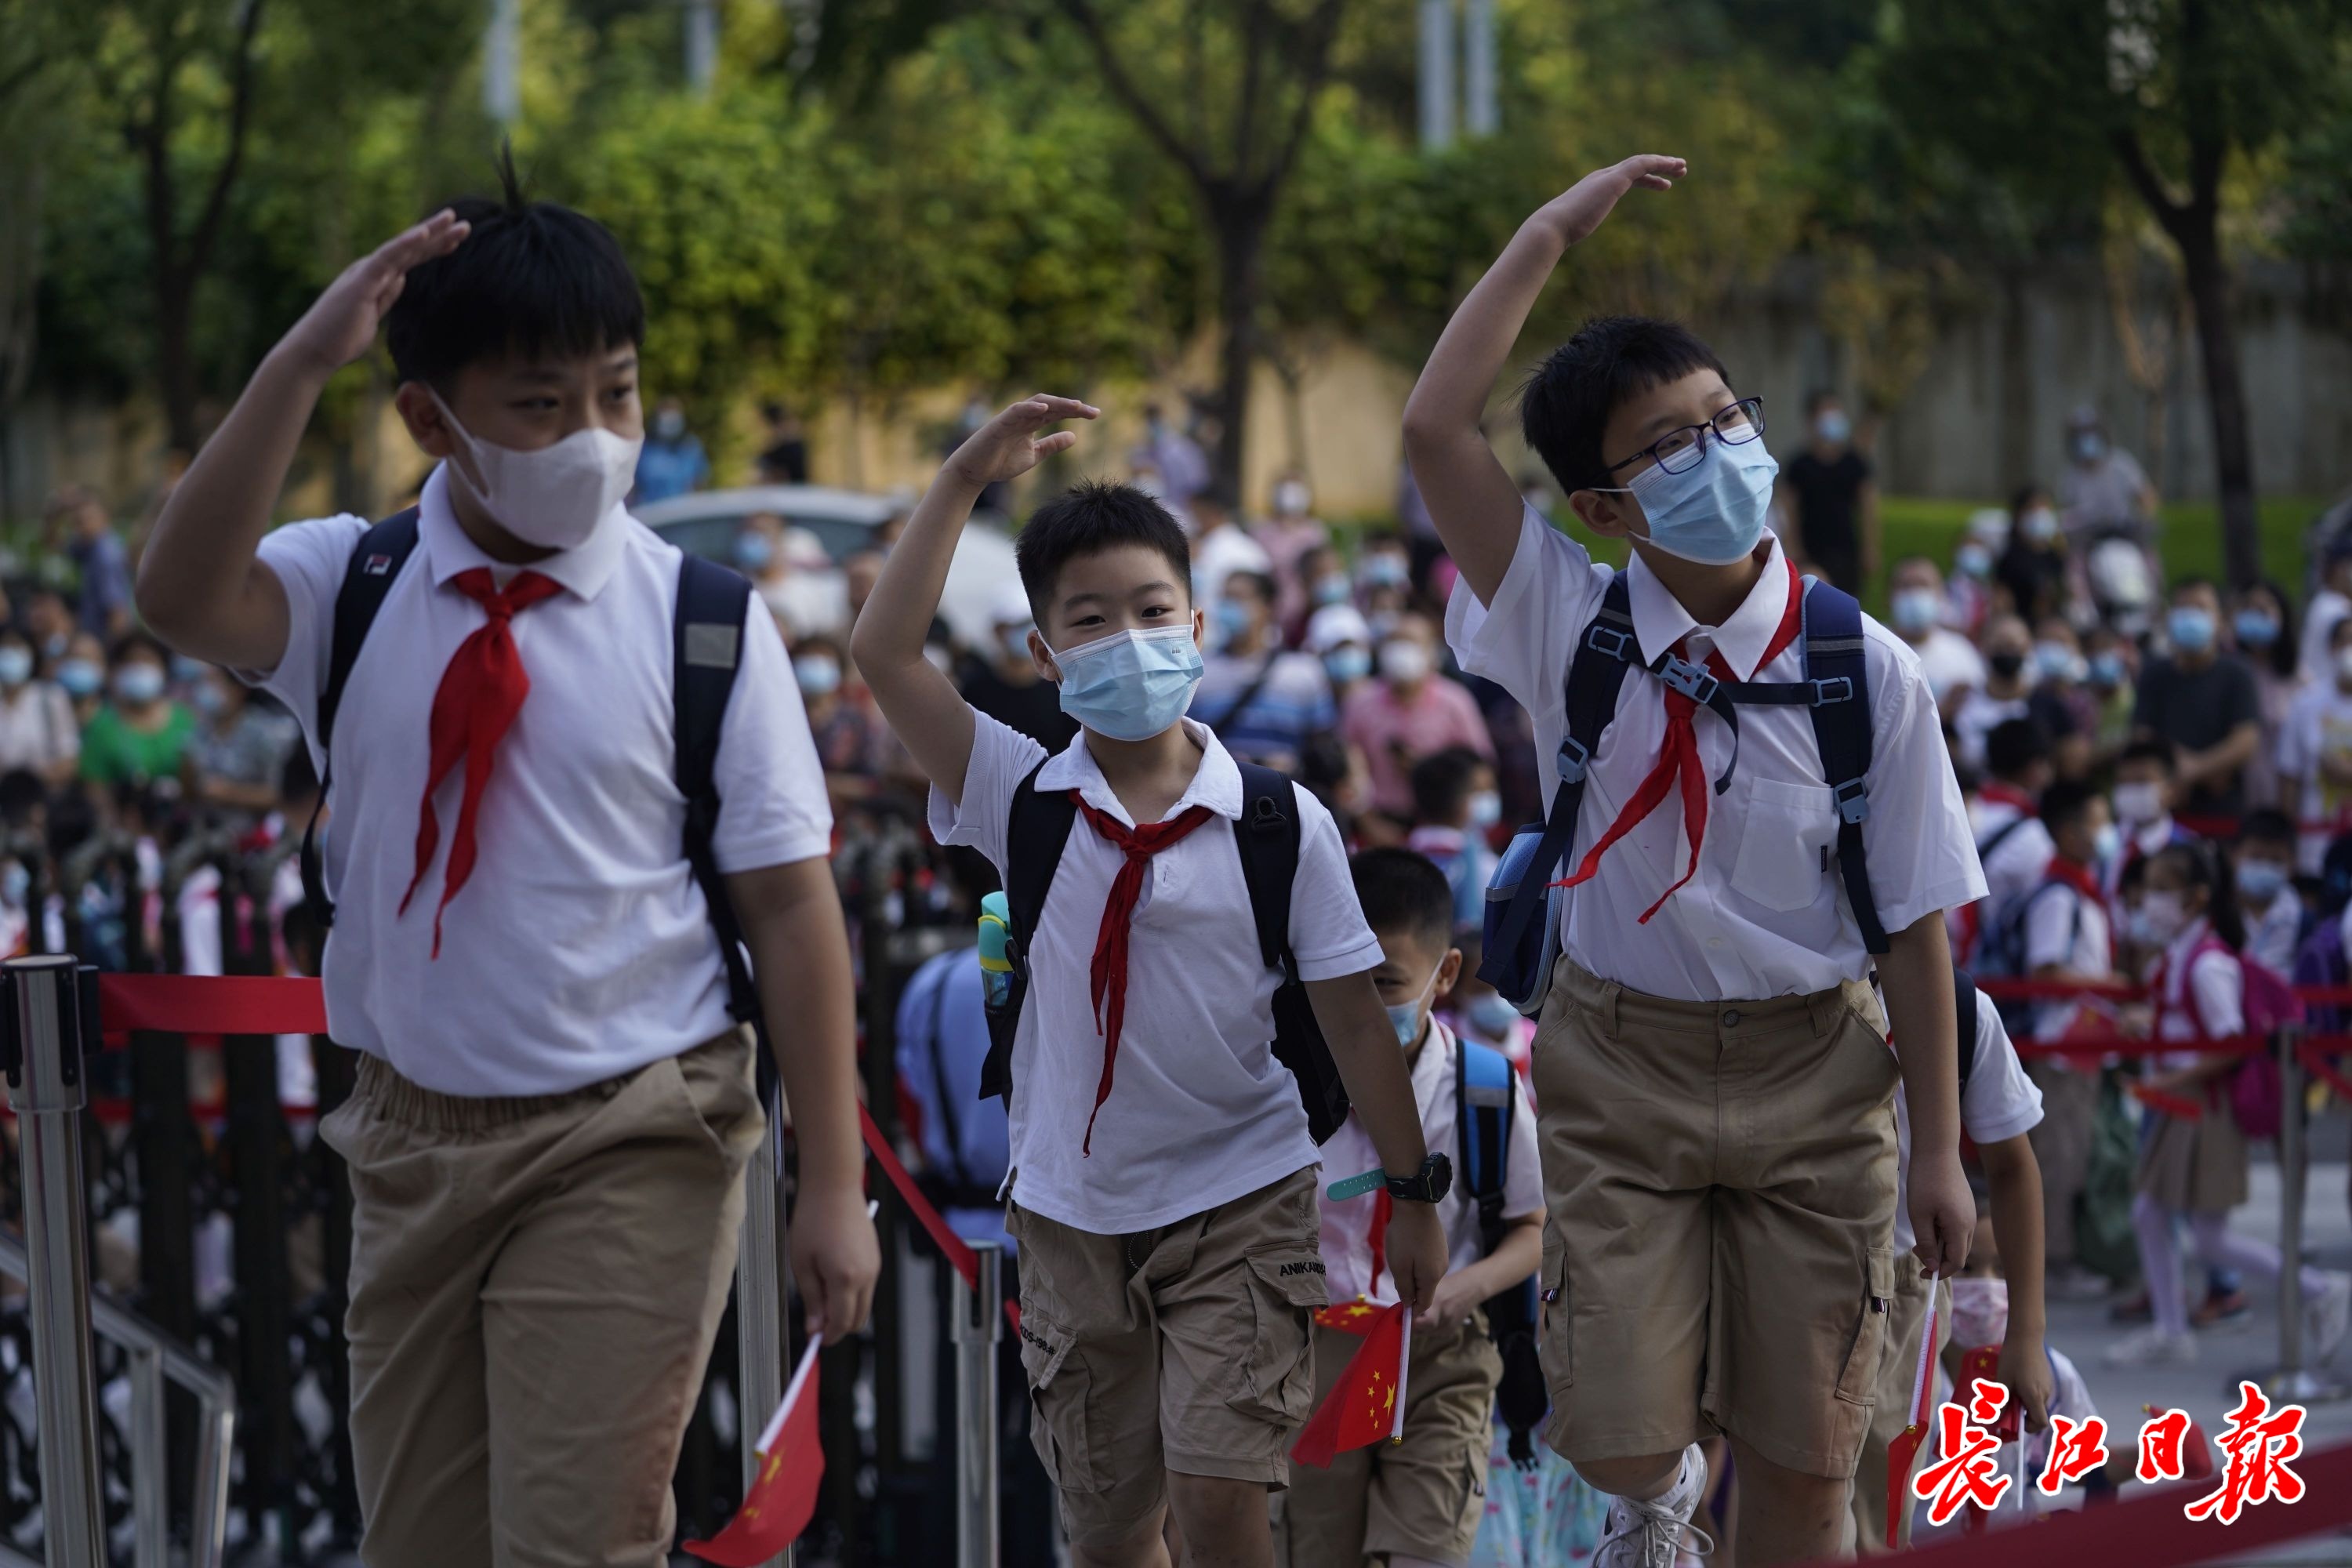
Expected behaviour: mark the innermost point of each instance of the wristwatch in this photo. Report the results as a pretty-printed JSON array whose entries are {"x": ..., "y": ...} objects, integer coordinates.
[{"x": 1426, "y": 1185}]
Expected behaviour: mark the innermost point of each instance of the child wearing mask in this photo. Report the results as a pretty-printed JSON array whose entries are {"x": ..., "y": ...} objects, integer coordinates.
[
  {"x": 38, "y": 731},
  {"x": 2143, "y": 796},
  {"x": 2261, "y": 627},
  {"x": 1949, "y": 662},
  {"x": 1999, "y": 1108},
  {"x": 1713, "y": 957},
  {"x": 2192, "y": 1169},
  {"x": 2006, "y": 691},
  {"x": 2273, "y": 907},
  {"x": 1455, "y": 807},
  {"x": 1164, "y": 1194},
  {"x": 2314, "y": 749},
  {"x": 554, "y": 1106},
  {"x": 2033, "y": 569},
  {"x": 1417, "y": 1504}
]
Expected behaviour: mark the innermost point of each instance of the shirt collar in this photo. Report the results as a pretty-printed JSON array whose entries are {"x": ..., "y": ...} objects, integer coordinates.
[
  {"x": 449, "y": 550},
  {"x": 1216, "y": 783},
  {"x": 1660, "y": 621},
  {"x": 1434, "y": 1066}
]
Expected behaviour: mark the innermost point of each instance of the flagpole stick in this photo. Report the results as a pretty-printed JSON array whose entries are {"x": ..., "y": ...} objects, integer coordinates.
[{"x": 1404, "y": 1363}]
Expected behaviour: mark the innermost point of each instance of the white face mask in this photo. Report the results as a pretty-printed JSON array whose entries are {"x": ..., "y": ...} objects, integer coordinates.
[
  {"x": 2139, "y": 802},
  {"x": 1404, "y": 659},
  {"x": 2162, "y": 915},
  {"x": 555, "y": 497}
]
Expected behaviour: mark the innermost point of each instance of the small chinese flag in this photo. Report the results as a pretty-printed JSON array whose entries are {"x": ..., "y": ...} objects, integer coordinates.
[
  {"x": 1362, "y": 1408},
  {"x": 783, "y": 1497},
  {"x": 1357, "y": 1317},
  {"x": 1903, "y": 1451}
]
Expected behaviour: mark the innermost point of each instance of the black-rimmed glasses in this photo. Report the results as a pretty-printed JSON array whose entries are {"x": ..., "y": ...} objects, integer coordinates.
[{"x": 1677, "y": 451}]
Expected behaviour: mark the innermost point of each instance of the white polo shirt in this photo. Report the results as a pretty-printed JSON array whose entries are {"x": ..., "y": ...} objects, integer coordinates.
[
  {"x": 2014, "y": 865},
  {"x": 1347, "y": 1225},
  {"x": 1200, "y": 1112},
  {"x": 1767, "y": 915},
  {"x": 1999, "y": 1104},
  {"x": 581, "y": 948}
]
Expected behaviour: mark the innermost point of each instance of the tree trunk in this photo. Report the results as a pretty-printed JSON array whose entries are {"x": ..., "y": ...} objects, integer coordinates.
[
  {"x": 1240, "y": 222},
  {"x": 177, "y": 364},
  {"x": 2225, "y": 396}
]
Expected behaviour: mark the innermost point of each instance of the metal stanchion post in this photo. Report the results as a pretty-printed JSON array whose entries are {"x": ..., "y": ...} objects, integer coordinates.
[
  {"x": 759, "y": 1300},
  {"x": 2291, "y": 1381},
  {"x": 975, "y": 1326},
  {"x": 41, "y": 1017}
]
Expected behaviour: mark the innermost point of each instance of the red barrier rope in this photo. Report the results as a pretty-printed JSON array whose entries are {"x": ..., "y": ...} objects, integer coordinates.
[
  {"x": 960, "y": 1257},
  {"x": 210, "y": 1005},
  {"x": 2149, "y": 1531}
]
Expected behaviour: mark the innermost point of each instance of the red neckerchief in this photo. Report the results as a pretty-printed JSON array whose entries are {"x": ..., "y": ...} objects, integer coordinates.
[
  {"x": 1678, "y": 765},
  {"x": 1995, "y": 792},
  {"x": 2079, "y": 877}
]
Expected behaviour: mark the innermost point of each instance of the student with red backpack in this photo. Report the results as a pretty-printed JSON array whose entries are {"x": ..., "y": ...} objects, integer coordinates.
[{"x": 2192, "y": 1164}]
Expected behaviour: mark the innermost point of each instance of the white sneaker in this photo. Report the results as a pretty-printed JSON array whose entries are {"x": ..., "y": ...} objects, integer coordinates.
[
  {"x": 2076, "y": 1283},
  {"x": 2327, "y": 1317},
  {"x": 2151, "y": 1346},
  {"x": 1651, "y": 1534}
]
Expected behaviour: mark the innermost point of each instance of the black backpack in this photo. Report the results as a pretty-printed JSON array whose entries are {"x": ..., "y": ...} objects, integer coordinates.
[
  {"x": 707, "y": 641},
  {"x": 1267, "y": 837}
]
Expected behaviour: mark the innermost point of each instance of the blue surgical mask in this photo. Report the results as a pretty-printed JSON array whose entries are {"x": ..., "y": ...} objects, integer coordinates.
[
  {"x": 80, "y": 676},
  {"x": 1712, "y": 512},
  {"x": 754, "y": 551},
  {"x": 2057, "y": 661},
  {"x": 2260, "y": 880},
  {"x": 2040, "y": 524},
  {"x": 2256, "y": 628},
  {"x": 1486, "y": 808},
  {"x": 2190, "y": 627},
  {"x": 1972, "y": 559},
  {"x": 1406, "y": 1017},
  {"x": 1349, "y": 663},
  {"x": 1914, "y": 610},
  {"x": 2107, "y": 667},
  {"x": 1383, "y": 571},
  {"x": 1492, "y": 1016},
  {"x": 1331, "y": 588},
  {"x": 1131, "y": 685},
  {"x": 16, "y": 665},
  {"x": 2107, "y": 844},
  {"x": 818, "y": 674},
  {"x": 1831, "y": 425},
  {"x": 1233, "y": 618},
  {"x": 139, "y": 682}
]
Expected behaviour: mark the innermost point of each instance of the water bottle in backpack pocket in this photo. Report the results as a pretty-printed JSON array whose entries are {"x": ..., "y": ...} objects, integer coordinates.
[{"x": 1519, "y": 964}]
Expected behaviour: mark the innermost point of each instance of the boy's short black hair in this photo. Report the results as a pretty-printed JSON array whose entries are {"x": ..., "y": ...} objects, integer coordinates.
[
  {"x": 1568, "y": 399},
  {"x": 1441, "y": 783},
  {"x": 2063, "y": 804},
  {"x": 1260, "y": 583},
  {"x": 532, "y": 278},
  {"x": 1086, "y": 519},
  {"x": 1404, "y": 891},
  {"x": 2150, "y": 749},
  {"x": 2266, "y": 825},
  {"x": 2014, "y": 745}
]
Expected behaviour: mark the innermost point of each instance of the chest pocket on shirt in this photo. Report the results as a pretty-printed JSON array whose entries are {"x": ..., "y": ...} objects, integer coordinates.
[{"x": 1782, "y": 845}]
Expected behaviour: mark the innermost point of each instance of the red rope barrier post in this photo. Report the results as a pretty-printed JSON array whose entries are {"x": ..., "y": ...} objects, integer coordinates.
[
  {"x": 975, "y": 1327},
  {"x": 2292, "y": 1382}
]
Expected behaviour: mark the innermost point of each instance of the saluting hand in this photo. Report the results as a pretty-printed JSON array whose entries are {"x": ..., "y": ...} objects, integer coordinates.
[
  {"x": 342, "y": 323},
  {"x": 1582, "y": 208},
  {"x": 1009, "y": 446}
]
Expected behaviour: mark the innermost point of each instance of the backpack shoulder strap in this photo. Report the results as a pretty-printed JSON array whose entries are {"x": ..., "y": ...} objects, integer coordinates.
[
  {"x": 1225, "y": 722},
  {"x": 2001, "y": 836},
  {"x": 1596, "y": 673},
  {"x": 1964, "y": 998},
  {"x": 1483, "y": 1093},
  {"x": 1038, "y": 829},
  {"x": 1268, "y": 837},
  {"x": 374, "y": 565},
  {"x": 1835, "y": 669},
  {"x": 707, "y": 647}
]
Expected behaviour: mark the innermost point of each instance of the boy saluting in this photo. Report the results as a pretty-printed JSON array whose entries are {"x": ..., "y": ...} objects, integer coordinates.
[
  {"x": 1163, "y": 1186},
  {"x": 1712, "y": 1070},
  {"x": 555, "y": 1100}
]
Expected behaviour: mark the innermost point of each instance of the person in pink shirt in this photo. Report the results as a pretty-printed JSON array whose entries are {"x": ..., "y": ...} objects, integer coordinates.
[{"x": 1412, "y": 711}]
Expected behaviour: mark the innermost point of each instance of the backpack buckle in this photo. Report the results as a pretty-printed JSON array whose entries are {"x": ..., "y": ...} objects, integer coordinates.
[
  {"x": 1265, "y": 816},
  {"x": 1692, "y": 680},
  {"x": 1852, "y": 801},
  {"x": 1835, "y": 688},
  {"x": 1573, "y": 756},
  {"x": 1610, "y": 640}
]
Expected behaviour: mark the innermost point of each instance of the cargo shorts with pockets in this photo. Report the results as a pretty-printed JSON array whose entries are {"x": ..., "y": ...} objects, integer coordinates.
[
  {"x": 1182, "y": 1347},
  {"x": 1719, "y": 1185}
]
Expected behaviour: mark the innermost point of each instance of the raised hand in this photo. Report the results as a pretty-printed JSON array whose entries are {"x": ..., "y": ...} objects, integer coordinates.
[
  {"x": 1009, "y": 446},
  {"x": 342, "y": 323},
  {"x": 1583, "y": 208}
]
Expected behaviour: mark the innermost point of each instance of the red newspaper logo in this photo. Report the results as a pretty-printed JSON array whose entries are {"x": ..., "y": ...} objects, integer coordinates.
[
  {"x": 2161, "y": 1441},
  {"x": 1964, "y": 1470},
  {"x": 2076, "y": 1449},
  {"x": 2255, "y": 1447}
]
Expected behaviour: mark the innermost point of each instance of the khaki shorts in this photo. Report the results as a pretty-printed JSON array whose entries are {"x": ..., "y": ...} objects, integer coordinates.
[
  {"x": 1720, "y": 1182},
  {"x": 1183, "y": 1348},
  {"x": 1420, "y": 1497},
  {"x": 1896, "y": 1369}
]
